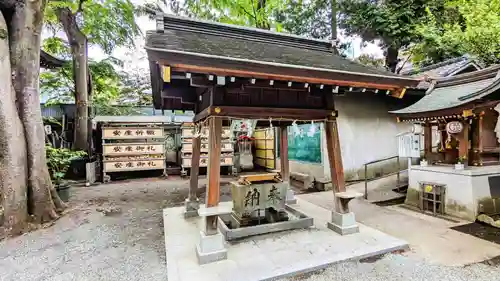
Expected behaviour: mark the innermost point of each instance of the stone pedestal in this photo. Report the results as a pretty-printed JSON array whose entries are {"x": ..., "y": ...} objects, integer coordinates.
[
  {"x": 192, "y": 207},
  {"x": 211, "y": 248},
  {"x": 343, "y": 224},
  {"x": 290, "y": 197}
]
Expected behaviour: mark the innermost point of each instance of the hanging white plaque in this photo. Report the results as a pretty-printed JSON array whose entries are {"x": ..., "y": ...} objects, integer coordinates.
[{"x": 454, "y": 127}]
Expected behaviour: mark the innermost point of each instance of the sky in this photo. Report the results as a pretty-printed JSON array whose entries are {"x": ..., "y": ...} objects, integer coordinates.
[{"x": 136, "y": 58}]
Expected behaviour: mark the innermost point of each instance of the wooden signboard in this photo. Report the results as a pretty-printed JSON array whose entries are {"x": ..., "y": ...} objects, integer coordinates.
[
  {"x": 224, "y": 161},
  {"x": 132, "y": 133},
  {"x": 133, "y": 148},
  {"x": 134, "y": 165},
  {"x": 188, "y": 147},
  {"x": 189, "y": 133}
]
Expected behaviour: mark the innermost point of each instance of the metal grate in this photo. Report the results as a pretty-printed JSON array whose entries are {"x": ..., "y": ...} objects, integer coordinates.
[{"x": 432, "y": 198}]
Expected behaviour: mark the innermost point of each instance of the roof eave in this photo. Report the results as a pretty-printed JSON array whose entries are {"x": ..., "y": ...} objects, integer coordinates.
[
  {"x": 435, "y": 113},
  {"x": 290, "y": 72}
]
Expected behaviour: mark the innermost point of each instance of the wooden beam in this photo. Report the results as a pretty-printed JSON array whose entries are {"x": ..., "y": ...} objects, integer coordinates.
[
  {"x": 266, "y": 84},
  {"x": 213, "y": 172},
  {"x": 463, "y": 146},
  {"x": 427, "y": 140},
  {"x": 199, "y": 81},
  {"x": 284, "y": 162},
  {"x": 268, "y": 76},
  {"x": 335, "y": 159},
  {"x": 264, "y": 113},
  {"x": 202, "y": 81},
  {"x": 195, "y": 169},
  {"x": 480, "y": 144}
]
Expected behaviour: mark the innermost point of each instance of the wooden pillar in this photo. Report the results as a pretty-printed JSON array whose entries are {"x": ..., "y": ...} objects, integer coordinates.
[
  {"x": 285, "y": 164},
  {"x": 195, "y": 168},
  {"x": 213, "y": 171},
  {"x": 463, "y": 146},
  {"x": 480, "y": 133},
  {"x": 427, "y": 140},
  {"x": 335, "y": 160}
]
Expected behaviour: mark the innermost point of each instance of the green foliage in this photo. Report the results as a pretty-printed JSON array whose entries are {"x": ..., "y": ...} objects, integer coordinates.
[
  {"x": 106, "y": 23},
  {"x": 369, "y": 60},
  {"x": 391, "y": 21},
  {"x": 309, "y": 18},
  {"x": 312, "y": 19},
  {"x": 57, "y": 47},
  {"x": 51, "y": 121},
  {"x": 110, "y": 86},
  {"x": 59, "y": 160},
  {"x": 255, "y": 13},
  {"x": 467, "y": 27}
]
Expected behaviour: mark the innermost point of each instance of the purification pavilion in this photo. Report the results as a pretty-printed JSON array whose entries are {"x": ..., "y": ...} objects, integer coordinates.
[
  {"x": 460, "y": 175},
  {"x": 224, "y": 71}
]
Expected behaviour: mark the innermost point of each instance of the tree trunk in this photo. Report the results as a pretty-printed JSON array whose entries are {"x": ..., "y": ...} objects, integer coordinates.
[
  {"x": 28, "y": 194},
  {"x": 13, "y": 166},
  {"x": 25, "y": 48},
  {"x": 391, "y": 58},
  {"x": 333, "y": 26},
  {"x": 78, "y": 42}
]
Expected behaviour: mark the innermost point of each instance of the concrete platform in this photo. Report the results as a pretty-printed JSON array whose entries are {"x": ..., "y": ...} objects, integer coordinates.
[{"x": 269, "y": 256}]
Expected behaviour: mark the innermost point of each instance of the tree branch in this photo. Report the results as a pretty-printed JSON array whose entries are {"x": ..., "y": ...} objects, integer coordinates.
[
  {"x": 406, "y": 60},
  {"x": 80, "y": 7},
  {"x": 254, "y": 14},
  {"x": 248, "y": 13}
]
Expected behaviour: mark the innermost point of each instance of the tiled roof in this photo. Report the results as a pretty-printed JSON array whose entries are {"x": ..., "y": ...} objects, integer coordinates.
[
  {"x": 441, "y": 70},
  {"x": 458, "y": 90},
  {"x": 49, "y": 61},
  {"x": 235, "y": 42}
]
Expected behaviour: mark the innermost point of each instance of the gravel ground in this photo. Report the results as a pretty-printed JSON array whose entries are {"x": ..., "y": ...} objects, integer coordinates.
[
  {"x": 111, "y": 232},
  {"x": 405, "y": 267},
  {"x": 115, "y": 232}
]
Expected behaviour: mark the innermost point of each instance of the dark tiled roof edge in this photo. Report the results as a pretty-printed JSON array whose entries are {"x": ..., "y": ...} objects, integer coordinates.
[
  {"x": 482, "y": 74},
  {"x": 171, "y": 22},
  {"x": 465, "y": 59},
  {"x": 49, "y": 61}
]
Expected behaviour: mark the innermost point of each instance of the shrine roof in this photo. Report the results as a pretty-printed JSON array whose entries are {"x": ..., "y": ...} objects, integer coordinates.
[
  {"x": 443, "y": 69},
  {"x": 456, "y": 91},
  {"x": 49, "y": 61},
  {"x": 234, "y": 45},
  {"x": 447, "y": 68}
]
